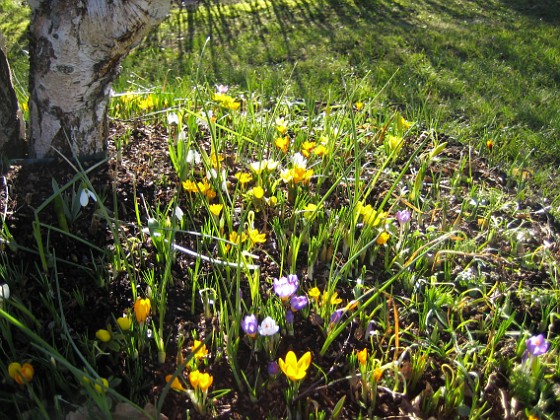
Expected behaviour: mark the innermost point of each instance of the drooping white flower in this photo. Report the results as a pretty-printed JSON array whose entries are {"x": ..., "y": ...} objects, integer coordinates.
[
  {"x": 85, "y": 195},
  {"x": 4, "y": 292},
  {"x": 172, "y": 119},
  {"x": 193, "y": 157},
  {"x": 178, "y": 213}
]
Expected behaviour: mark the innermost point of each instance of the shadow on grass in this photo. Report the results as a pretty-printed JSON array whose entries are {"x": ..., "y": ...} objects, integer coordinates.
[{"x": 540, "y": 10}]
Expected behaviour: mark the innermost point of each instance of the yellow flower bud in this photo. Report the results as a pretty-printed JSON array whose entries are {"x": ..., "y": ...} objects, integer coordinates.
[
  {"x": 22, "y": 374},
  {"x": 103, "y": 335},
  {"x": 142, "y": 309},
  {"x": 124, "y": 323}
]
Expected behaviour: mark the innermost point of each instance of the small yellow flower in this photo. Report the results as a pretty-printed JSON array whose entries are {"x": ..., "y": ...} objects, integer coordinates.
[
  {"x": 100, "y": 385},
  {"x": 201, "y": 381},
  {"x": 309, "y": 210},
  {"x": 142, "y": 309},
  {"x": 293, "y": 368},
  {"x": 255, "y": 236},
  {"x": 216, "y": 209},
  {"x": 205, "y": 189},
  {"x": 402, "y": 124},
  {"x": 216, "y": 159},
  {"x": 320, "y": 150},
  {"x": 283, "y": 143},
  {"x": 190, "y": 186},
  {"x": 226, "y": 101},
  {"x": 307, "y": 147},
  {"x": 22, "y": 374},
  {"x": 244, "y": 177},
  {"x": 314, "y": 293},
  {"x": 333, "y": 299},
  {"x": 257, "y": 192},
  {"x": 362, "y": 356},
  {"x": 383, "y": 238},
  {"x": 103, "y": 335},
  {"x": 124, "y": 323},
  {"x": 175, "y": 384},
  {"x": 377, "y": 374},
  {"x": 359, "y": 106},
  {"x": 146, "y": 103},
  {"x": 271, "y": 201},
  {"x": 281, "y": 126},
  {"x": 199, "y": 349},
  {"x": 489, "y": 144},
  {"x": 395, "y": 143},
  {"x": 297, "y": 175}
]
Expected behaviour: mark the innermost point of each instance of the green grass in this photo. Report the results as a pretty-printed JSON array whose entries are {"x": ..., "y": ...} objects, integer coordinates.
[
  {"x": 475, "y": 70},
  {"x": 444, "y": 304}
]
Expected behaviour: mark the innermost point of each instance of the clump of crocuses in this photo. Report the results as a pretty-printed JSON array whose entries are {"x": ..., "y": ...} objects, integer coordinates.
[{"x": 286, "y": 287}]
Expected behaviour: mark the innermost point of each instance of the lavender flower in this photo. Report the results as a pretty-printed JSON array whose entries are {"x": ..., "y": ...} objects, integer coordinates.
[
  {"x": 285, "y": 287},
  {"x": 249, "y": 324},
  {"x": 298, "y": 302},
  {"x": 536, "y": 345},
  {"x": 268, "y": 327},
  {"x": 289, "y": 317},
  {"x": 273, "y": 368},
  {"x": 403, "y": 217},
  {"x": 336, "y": 316}
]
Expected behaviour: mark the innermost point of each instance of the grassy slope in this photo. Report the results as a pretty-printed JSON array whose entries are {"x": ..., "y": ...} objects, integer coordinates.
[{"x": 475, "y": 69}]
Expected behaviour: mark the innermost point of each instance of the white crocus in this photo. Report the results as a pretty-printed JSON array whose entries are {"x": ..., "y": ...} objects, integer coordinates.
[{"x": 268, "y": 327}]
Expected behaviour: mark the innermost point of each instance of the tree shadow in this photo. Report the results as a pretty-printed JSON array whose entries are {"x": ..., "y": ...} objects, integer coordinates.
[{"x": 542, "y": 10}]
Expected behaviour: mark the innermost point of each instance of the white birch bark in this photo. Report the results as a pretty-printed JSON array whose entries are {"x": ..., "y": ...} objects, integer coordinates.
[{"x": 75, "y": 50}]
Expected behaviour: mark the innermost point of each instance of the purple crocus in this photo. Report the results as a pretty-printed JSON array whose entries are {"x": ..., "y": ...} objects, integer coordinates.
[
  {"x": 403, "y": 217},
  {"x": 537, "y": 345},
  {"x": 336, "y": 316},
  {"x": 298, "y": 302},
  {"x": 285, "y": 287},
  {"x": 273, "y": 369},
  {"x": 289, "y": 317},
  {"x": 249, "y": 324}
]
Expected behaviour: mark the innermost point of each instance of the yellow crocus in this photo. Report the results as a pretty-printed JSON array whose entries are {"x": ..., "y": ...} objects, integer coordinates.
[
  {"x": 257, "y": 192},
  {"x": 293, "y": 368},
  {"x": 283, "y": 143},
  {"x": 199, "y": 349},
  {"x": 201, "y": 381},
  {"x": 175, "y": 384},
  {"x": 216, "y": 209},
  {"x": 244, "y": 177},
  {"x": 22, "y": 374},
  {"x": 256, "y": 237},
  {"x": 314, "y": 293},
  {"x": 142, "y": 309},
  {"x": 103, "y": 335},
  {"x": 383, "y": 238},
  {"x": 124, "y": 323},
  {"x": 362, "y": 356}
]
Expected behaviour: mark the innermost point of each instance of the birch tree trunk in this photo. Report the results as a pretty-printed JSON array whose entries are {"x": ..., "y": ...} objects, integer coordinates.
[
  {"x": 76, "y": 47},
  {"x": 12, "y": 126}
]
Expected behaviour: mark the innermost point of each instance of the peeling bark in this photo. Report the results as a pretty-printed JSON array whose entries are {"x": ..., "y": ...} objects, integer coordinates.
[
  {"x": 76, "y": 48},
  {"x": 12, "y": 126}
]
